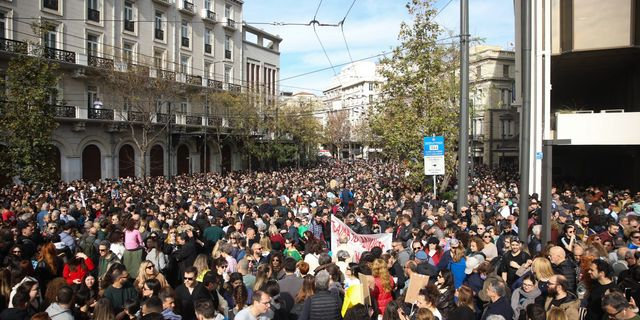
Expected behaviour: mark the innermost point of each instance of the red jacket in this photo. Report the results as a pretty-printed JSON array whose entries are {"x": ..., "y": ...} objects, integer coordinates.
[{"x": 80, "y": 272}]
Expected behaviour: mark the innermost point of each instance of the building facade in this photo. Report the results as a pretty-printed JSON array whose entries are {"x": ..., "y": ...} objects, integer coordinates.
[
  {"x": 494, "y": 119},
  {"x": 352, "y": 93},
  {"x": 196, "y": 45},
  {"x": 589, "y": 51}
]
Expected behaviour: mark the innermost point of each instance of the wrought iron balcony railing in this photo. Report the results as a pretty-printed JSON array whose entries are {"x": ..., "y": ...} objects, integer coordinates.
[
  {"x": 207, "y": 48},
  {"x": 193, "y": 120},
  {"x": 234, "y": 87},
  {"x": 210, "y": 15},
  {"x": 60, "y": 55},
  {"x": 185, "y": 41},
  {"x": 165, "y": 118},
  {"x": 227, "y": 54},
  {"x": 100, "y": 114},
  {"x": 194, "y": 80},
  {"x": 139, "y": 69},
  {"x": 102, "y": 63},
  {"x": 135, "y": 116},
  {"x": 93, "y": 15},
  {"x": 214, "y": 122},
  {"x": 166, "y": 75},
  {"x": 64, "y": 111},
  {"x": 231, "y": 23},
  {"x": 187, "y": 6},
  {"x": 13, "y": 46},
  {"x": 216, "y": 84}
]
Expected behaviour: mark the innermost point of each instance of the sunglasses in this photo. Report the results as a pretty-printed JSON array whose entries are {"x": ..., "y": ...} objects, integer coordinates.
[
  {"x": 417, "y": 248},
  {"x": 103, "y": 250},
  {"x": 149, "y": 267},
  {"x": 486, "y": 237},
  {"x": 188, "y": 279}
]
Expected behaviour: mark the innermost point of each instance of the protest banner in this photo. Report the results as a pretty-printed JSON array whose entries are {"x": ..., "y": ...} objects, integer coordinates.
[
  {"x": 358, "y": 243},
  {"x": 416, "y": 283}
]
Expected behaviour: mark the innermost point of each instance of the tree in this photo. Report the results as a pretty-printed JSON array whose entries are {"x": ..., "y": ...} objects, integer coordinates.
[
  {"x": 146, "y": 103},
  {"x": 338, "y": 131},
  {"x": 419, "y": 95},
  {"x": 27, "y": 117}
]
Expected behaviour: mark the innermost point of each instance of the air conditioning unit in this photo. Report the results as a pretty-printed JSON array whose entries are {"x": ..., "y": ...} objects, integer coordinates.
[{"x": 79, "y": 74}]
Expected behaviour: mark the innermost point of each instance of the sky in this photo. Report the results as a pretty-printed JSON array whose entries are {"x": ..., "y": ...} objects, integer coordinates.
[{"x": 371, "y": 27}]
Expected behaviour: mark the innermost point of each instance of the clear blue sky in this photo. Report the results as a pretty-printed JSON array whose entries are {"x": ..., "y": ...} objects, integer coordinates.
[{"x": 370, "y": 28}]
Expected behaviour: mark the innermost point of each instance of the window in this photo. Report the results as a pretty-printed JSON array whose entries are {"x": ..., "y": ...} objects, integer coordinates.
[
  {"x": 208, "y": 36},
  {"x": 505, "y": 97},
  {"x": 92, "y": 45},
  {"x": 159, "y": 26},
  {"x": 3, "y": 25},
  {"x": 128, "y": 16},
  {"x": 92, "y": 4},
  {"x": 227, "y": 74},
  {"x": 158, "y": 59},
  {"x": 227, "y": 47},
  {"x": 92, "y": 95},
  {"x": 184, "y": 64},
  {"x": 127, "y": 52},
  {"x": 207, "y": 5},
  {"x": 93, "y": 13},
  {"x": 371, "y": 86},
  {"x": 505, "y": 71},
  {"x": 184, "y": 107},
  {"x": 184, "y": 32},
  {"x": 227, "y": 11},
  {"x": 478, "y": 72},
  {"x": 207, "y": 70},
  {"x": 50, "y": 39}
]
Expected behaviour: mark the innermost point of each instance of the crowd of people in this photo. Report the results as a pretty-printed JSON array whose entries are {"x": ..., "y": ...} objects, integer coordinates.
[{"x": 256, "y": 245}]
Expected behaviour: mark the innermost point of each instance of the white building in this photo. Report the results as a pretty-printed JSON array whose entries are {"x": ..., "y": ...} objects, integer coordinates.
[
  {"x": 354, "y": 91},
  {"x": 197, "y": 44}
]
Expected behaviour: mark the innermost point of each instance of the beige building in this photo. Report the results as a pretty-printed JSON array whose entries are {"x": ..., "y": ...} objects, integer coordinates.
[
  {"x": 589, "y": 51},
  {"x": 197, "y": 44},
  {"x": 494, "y": 124}
]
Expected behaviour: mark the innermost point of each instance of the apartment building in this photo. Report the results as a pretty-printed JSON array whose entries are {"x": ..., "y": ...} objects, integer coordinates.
[
  {"x": 585, "y": 91},
  {"x": 494, "y": 119},
  {"x": 196, "y": 44},
  {"x": 352, "y": 92}
]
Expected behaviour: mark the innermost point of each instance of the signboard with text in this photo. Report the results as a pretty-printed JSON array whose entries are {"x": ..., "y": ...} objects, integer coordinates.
[{"x": 434, "y": 155}]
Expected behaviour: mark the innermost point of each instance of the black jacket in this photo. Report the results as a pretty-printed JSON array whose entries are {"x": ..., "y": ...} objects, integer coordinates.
[
  {"x": 568, "y": 270},
  {"x": 500, "y": 307},
  {"x": 324, "y": 305}
]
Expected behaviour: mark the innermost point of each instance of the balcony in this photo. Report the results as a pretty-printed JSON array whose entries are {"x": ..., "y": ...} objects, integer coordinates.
[
  {"x": 159, "y": 34},
  {"x": 13, "y": 46},
  {"x": 185, "y": 42},
  {"x": 138, "y": 69},
  {"x": 129, "y": 26},
  {"x": 59, "y": 55},
  {"x": 208, "y": 15},
  {"x": 50, "y": 4},
  {"x": 101, "y": 63},
  {"x": 193, "y": 80},
  {"x": 100, "y": 114},
  {"x": 135, "y": 116},
  {"x": 64, "y": 112},
  {"x": 234, "y": 87},
  {"x": 193, "y": 120},
  {"x": 165, "y": 3},
  {"x": 187, "y": 7},
  {"x": 165, "y": 118},
  {"x": 214, "y": 122},
  {"x": 93, "y": 15},
  {"x": 166, "y": 75},
  {"x": 231, "y": 24},
  {"x": 207, "y": 48},
  {"x": 227, "y": 54},
  {"x": 214, "y": 84}
]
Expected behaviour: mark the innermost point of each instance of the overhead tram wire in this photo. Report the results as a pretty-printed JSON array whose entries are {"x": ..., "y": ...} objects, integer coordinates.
[{"x": 341, "y": 23}]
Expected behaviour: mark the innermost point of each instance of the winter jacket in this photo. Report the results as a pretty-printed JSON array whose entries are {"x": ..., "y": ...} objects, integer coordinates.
[
  {"x": 324, "y": 305},
  {"x": 500, "y": 307},
  {"x": 56, "y": 312},
  {"x": 445, "y": 302},
  {"x": 168, "y": 314},
  {"x": 568, "y": 270},
  {"x": 571, "y": 306}
]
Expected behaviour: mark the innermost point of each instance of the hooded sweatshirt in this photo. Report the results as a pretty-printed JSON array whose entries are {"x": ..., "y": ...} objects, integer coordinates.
[{"x": 57, "y": 312}]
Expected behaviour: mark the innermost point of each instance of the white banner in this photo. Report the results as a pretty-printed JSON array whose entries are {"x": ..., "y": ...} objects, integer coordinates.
[{"x": 358, "y": 243}]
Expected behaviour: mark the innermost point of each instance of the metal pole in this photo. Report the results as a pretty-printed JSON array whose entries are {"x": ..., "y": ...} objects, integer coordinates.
[
  {"x": 525, "y": 123},
  {"x": 169, "y": 143},
  {"x": 546, "y": 196},
  {"x": 463, "y": 148},
  {"x": 435, "y": 190},
  {"x": 206, "y": 127}
]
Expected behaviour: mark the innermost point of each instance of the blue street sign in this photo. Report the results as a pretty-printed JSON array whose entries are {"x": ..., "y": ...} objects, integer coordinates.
[
  {"x": 539, "y": 155},
  {"x": 434, "y": 146}
]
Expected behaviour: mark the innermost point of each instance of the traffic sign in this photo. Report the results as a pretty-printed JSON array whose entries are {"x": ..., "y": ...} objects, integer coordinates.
[{"x": 434, "y": 155}]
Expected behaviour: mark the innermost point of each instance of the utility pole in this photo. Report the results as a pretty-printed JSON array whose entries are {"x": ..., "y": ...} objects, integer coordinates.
[
  {"x": 463, "y": 146},
  {"x": 525, "y": 116}
]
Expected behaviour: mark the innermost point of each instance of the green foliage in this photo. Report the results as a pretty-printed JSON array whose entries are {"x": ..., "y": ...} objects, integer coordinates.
[
  {"x": 27, "y": 118},
  {"x": 419, "y": 95}
]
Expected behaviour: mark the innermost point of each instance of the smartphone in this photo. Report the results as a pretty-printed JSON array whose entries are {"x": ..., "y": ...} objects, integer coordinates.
[{"x": 627, "y": 293}]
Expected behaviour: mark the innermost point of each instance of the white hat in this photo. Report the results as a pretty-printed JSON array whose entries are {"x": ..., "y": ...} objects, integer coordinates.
[{"x": 472, "y": 263}]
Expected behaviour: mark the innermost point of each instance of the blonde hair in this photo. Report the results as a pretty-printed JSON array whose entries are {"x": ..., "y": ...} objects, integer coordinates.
[
  {"x": 265, "y": 242},
  {"x": 379, "y": 270},
  {"x": 142, "y": 275},
  {"x": 425, "y": 314},
  {"x": 201, "y": 263},
  {"x": 541, "y": 268},
  {"x": 457, "y": 253}
]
